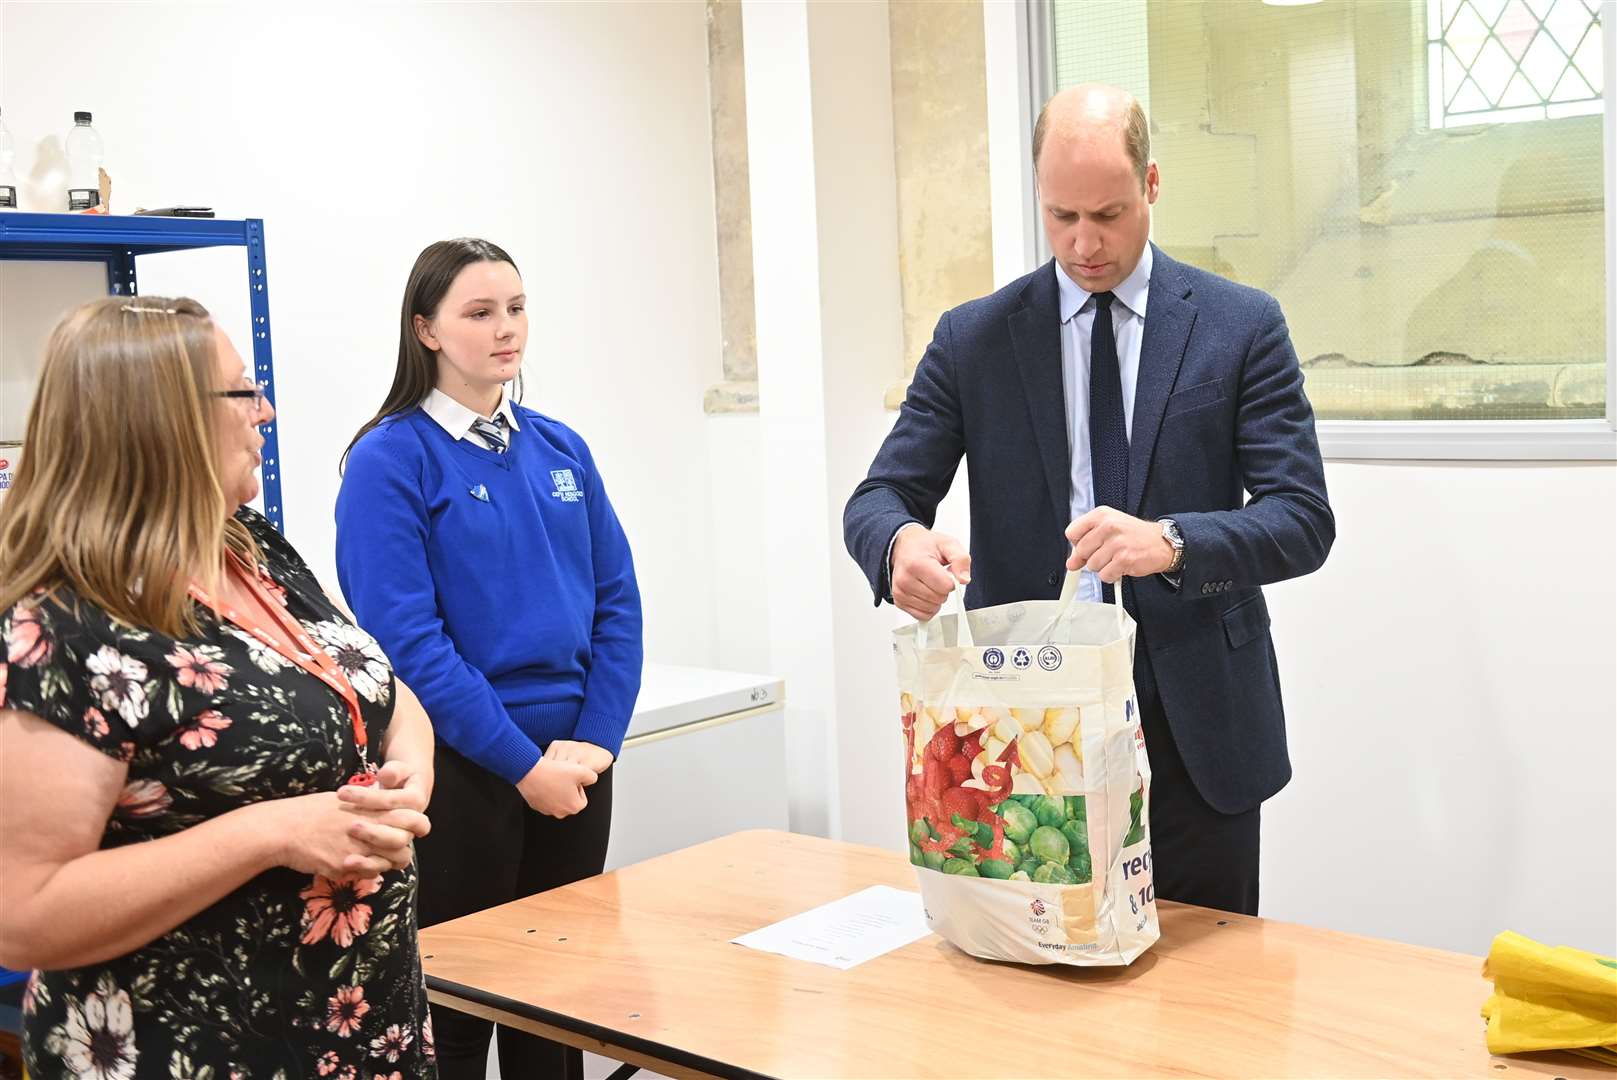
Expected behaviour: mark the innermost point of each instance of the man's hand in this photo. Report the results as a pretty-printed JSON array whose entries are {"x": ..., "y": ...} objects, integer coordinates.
[
  {"x": 926, "y": 567},
  {"x": 1114, "y": 545}
]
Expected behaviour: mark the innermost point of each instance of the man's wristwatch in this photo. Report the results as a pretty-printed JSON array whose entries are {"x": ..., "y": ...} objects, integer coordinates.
[{"x": 1176, "y": 539}]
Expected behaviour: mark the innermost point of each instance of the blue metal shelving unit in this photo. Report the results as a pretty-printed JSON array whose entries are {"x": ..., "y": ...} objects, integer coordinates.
[{"x": 118, "y": 240}]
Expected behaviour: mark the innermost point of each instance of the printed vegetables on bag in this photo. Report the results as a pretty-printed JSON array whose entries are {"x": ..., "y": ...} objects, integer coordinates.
[{"x": 984, "y": 793}]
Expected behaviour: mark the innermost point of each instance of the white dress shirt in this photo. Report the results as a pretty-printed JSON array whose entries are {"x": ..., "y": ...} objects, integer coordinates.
[
  {"x": 1077, "y": 324},
  {"x": 457, "y": 419}
]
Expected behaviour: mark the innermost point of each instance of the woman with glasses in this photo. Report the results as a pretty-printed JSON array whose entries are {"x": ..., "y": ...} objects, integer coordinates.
[
  {"x": 475, "y": 536},
  {"x": 212, "y": 781}
]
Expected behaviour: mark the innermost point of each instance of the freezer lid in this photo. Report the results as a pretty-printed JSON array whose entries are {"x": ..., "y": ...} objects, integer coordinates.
[{"x": 673, "y": 695}]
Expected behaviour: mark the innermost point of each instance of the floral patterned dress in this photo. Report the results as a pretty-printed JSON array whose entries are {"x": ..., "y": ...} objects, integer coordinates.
[{"x": 288, "y": 976}]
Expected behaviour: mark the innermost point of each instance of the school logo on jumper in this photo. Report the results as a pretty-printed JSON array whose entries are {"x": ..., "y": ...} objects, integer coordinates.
[{"x": 566, "y": 486}]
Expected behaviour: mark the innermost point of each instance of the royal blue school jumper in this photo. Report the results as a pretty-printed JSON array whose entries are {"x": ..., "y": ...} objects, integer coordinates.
[{"x": 500, "y": 585}]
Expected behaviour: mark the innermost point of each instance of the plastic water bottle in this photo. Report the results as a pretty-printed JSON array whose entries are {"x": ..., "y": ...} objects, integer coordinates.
[
  {"x": 8, "y": 174},
  {"x": 83, "y": 165}
]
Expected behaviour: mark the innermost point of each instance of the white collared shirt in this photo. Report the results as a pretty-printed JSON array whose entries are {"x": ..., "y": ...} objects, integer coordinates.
[
  {"x": 1077, "y": 324},
  {"x": 457, "y": 419}
]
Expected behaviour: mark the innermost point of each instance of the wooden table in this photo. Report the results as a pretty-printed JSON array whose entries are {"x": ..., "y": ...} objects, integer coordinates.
[{"x": 637, "y": 965}]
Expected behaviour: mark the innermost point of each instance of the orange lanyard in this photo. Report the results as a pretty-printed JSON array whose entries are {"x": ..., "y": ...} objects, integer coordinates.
[{"x": 313, "y": 659}]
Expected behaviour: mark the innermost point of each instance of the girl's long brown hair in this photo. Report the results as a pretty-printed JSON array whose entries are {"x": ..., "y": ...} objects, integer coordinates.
[{"x": 416, "y": 373}]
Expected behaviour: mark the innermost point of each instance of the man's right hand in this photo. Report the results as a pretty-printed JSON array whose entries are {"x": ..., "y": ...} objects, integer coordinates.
[
  {"x": 556, "y": 787},
  {"x": 926, "y": 567}
]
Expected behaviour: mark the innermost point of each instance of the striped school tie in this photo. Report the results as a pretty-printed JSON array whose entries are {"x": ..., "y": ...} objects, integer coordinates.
[{"x": 492, "y": 432}]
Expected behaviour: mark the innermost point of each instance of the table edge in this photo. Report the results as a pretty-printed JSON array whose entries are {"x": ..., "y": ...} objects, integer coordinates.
[{"x": 598, "y": 1032}]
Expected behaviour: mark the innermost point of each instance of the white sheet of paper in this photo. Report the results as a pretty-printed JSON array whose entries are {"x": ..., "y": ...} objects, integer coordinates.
[{"x": 846, "y": 932}]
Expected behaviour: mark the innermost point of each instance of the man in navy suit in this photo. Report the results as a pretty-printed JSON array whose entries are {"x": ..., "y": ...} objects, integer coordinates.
[{"x": 1112, "y": 408}]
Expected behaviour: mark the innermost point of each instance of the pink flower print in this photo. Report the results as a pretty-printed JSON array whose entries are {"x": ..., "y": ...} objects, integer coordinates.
[
  {"x": 334, "y": 908},
  {"x": 95, "y": 723},
  {"x": 203, "y": 731},
  {"x": 201, "y": 667},
  {"x": 346, "y": 1009},
  {"x": 391, "y": 1043},
  {"x": 27, "y": 643},
  {"x": 143, "y": 799},
  {"x": 328, "y": 1063}
]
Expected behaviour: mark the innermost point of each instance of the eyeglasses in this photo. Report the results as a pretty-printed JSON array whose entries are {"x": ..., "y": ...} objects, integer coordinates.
[{"x": 259, "y": 394}]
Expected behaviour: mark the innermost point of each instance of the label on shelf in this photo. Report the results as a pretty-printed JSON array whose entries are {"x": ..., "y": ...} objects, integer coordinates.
[{"x": 10, "y": 454}]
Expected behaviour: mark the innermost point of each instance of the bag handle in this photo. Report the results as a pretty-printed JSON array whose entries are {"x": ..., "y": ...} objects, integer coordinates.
[
  {"x": 930, "y": 633},
  {"x": 1069, "y": 596}
]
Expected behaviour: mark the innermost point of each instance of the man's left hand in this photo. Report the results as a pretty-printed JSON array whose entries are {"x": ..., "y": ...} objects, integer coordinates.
[{"x": 1114, "y": 545}]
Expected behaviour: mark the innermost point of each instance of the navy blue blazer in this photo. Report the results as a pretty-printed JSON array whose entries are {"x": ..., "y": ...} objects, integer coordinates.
[{"x": 1219, "y": 410}]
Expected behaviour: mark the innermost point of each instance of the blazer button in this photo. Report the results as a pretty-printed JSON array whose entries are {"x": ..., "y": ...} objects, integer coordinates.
[
  {"x": 1053, "y": 579},
  {"x": 1207, "y": 590}
]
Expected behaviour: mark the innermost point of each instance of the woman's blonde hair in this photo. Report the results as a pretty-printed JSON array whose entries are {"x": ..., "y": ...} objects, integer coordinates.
[{"x": 117, "y": 495}]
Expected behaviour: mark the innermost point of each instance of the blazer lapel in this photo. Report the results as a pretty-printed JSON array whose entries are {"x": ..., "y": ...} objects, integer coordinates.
[
  {"x": 1036, "y": 340},
  {"x": 1168, "y": 319}
]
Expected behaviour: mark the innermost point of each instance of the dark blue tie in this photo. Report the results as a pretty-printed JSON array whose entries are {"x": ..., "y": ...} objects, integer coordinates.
[{"x": 1108, "y": 435}]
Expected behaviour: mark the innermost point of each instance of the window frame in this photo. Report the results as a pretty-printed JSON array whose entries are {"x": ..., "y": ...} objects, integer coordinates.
[
  {"x": 1347, "y": 440},
  {"x": 1438, "y": 111}
]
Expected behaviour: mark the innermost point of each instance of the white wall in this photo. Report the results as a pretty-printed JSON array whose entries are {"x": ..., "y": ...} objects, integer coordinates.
[
  {"x": 736, "y": 477},
  {"x": 574, "y": 135},
  {"x": 32, "y": 297},
  {"x": 867, "y": 804},
  {"x": 1450, "y": 703},
  {"x": 793, "y": 389}
]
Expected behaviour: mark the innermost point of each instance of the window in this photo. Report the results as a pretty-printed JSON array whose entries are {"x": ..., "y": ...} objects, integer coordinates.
[
  {"x": 1493, "y": 61},
  {"x": 1421, "y": 185}
]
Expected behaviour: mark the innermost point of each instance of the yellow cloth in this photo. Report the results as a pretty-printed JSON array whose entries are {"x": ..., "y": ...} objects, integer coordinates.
[{"x": 1550, "y": 998}]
